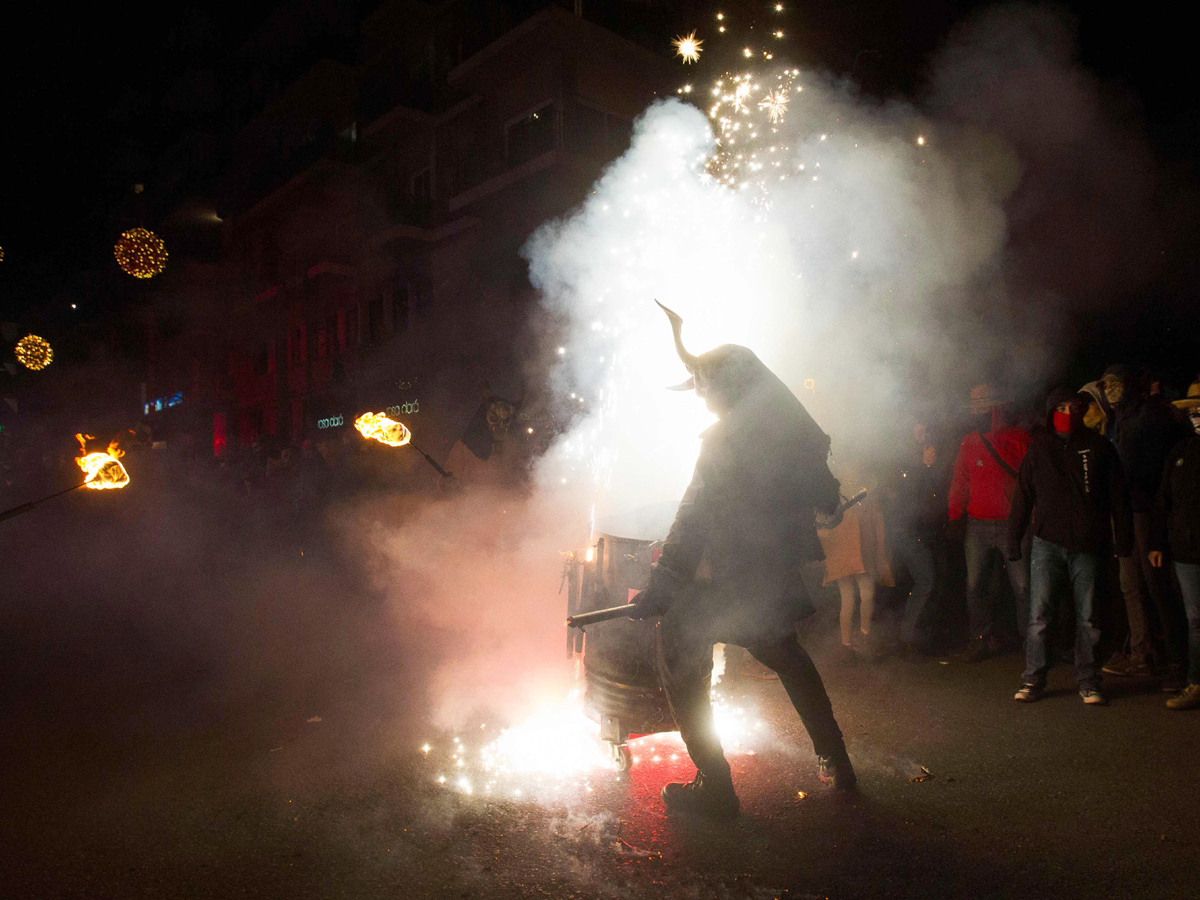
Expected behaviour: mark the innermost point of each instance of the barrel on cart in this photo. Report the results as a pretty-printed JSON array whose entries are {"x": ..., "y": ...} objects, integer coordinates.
[{"x": 622, "y": 690}]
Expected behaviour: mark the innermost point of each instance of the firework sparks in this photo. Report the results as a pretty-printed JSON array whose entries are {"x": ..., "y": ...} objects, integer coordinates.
[
  {"x": 103, "y": 469},
  {"x": 558, "y": 749},
  {"x": 687, "y": 47},
  {"x": 775, "y": 104}
]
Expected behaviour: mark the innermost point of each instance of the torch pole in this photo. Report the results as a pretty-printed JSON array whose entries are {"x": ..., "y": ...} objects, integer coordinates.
[
  {"x": 26, "y": 507},
  {"x": 429, "y": 459}
]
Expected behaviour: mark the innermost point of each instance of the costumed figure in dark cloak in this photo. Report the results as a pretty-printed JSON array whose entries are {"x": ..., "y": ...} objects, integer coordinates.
[{"x": 729, "y": 571}]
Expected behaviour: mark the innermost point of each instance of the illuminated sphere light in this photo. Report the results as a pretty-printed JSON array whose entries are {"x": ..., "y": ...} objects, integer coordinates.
[
  {"x": 34, "y": 352},
  {"x": 141, "y": 253}
]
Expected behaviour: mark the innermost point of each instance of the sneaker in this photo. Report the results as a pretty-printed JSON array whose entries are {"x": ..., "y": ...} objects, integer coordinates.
[
  {"x": 712, "y": 799},
  {"x": 1132, "y": 666},
  {"x": 977, "y": 651},
  {"x": 837, "y": 771},
  {"x": 1188, "y": 698},
  {"x": 1092, "y": 697},
  {"x": 1173, "y": 681},
  {"x": 1029, "y": 693}
]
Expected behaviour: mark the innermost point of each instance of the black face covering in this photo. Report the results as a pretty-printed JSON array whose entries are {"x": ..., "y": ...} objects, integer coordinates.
[{"x": 982, "y": 422}]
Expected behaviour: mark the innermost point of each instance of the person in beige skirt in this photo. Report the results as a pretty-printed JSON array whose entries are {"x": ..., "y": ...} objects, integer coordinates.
[{"x": 856, "y": 558}]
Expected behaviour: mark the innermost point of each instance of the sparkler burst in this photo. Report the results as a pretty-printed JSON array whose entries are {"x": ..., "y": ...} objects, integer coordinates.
[
  {"x": 687, "y": 47},
  {"x": 558, "y": 751},
  {"x": 775, "y": 105}
]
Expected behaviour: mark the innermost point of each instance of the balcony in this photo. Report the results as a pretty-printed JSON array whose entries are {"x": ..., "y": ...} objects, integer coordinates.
[{"x": 526, "y": 141}]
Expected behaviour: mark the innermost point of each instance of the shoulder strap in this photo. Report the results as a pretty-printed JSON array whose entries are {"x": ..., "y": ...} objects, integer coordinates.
[{"x": 996, "y": 456}]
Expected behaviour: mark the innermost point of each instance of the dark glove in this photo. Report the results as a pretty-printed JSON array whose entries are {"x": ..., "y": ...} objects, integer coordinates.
[{"x": 658, "y": 596}]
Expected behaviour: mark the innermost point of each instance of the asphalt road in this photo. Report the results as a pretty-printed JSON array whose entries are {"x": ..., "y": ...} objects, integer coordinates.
[
  {"x": 161, "y": 659},
  {"x": 1048, "y": 800}
]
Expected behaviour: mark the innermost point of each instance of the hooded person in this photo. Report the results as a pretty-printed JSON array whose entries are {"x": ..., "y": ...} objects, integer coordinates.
[
  {"x": 727, "y": 573},
  {"x": 1179, "y": 516},
  {"x": 1143, "y": 432},
  {"x": 1072, "y": 487}
]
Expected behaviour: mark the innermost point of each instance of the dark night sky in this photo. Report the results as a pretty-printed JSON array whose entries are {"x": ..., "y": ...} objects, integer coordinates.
[{"x": 91, "y": 97}]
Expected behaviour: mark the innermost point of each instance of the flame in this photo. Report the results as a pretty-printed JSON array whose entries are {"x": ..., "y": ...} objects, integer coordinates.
[
  {"x": 379, "y": 427},
  {"x": 103, "y": 469}
]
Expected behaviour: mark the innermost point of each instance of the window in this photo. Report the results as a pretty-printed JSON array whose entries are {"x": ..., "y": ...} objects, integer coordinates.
[
  {"x": 591, "y": 130},
  {"x": 421, "y": 192},
  {"x": 262, "y": 359},
  {"x": 400, "y": 309},
  {"x": 584, "y": 131},
  {"x": 374, "y": 321},
  {"x": 532, "y": 135},
  {"x": 296, "y": 350}
]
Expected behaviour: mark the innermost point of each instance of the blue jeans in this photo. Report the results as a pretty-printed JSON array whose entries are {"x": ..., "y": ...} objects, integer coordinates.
[
  {"x": 1052, "y": 569},
  {"x": 1189, "y": 586},
  {"x": 986, "y": 542},
  {"x": 915, "y": 553}
]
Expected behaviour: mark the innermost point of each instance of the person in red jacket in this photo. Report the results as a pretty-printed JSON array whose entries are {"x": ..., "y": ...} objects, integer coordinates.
[{"x": 981, "y": 492}]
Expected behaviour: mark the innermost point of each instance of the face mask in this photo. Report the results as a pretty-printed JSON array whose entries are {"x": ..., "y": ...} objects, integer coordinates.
[
  {"x": 1062, "y": 422},
  {"x": 1114, "y": 391}
]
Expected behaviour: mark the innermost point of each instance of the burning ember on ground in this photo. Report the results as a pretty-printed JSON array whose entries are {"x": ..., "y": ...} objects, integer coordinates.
[
  {"x": 379, "y": 427},
  {"x": 103, "y": 469},
  {"x": 558, "y": 752}
]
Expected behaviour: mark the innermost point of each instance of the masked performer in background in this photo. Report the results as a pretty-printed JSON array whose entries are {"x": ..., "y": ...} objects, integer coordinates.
[{"x": 729, "y": 571}]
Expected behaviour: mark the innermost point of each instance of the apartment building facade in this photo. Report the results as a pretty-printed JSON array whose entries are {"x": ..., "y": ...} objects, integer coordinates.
[{"x": 384, "y": 270}]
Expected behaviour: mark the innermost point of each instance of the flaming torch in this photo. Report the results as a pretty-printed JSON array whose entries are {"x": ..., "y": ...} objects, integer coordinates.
[
  {"x": 379, "y": 427},
  {"x": 104, "y": 471}
]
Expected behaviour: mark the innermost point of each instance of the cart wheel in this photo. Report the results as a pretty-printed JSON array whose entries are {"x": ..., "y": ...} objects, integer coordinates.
[{"x": 622, "y": 757}]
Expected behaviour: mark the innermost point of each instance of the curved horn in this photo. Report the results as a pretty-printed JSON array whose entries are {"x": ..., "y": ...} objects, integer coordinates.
[{"x": 689, "y": 361}]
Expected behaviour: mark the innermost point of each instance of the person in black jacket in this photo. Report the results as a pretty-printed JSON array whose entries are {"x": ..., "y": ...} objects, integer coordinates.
[
  {"x": 728, "y": 569},
  {"x": 1143, "y": 430},
  {"x": 915, "y": 514},
  {"x": 1072, "y": 485},
  {"x": 1179, "y": 503}
]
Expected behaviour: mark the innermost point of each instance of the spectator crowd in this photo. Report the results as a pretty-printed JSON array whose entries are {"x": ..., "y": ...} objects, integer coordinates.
[{"x": 1067, "y": 534}]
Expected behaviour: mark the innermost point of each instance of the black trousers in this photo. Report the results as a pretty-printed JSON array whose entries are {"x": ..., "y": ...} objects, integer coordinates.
[{"x": 708, "y": 615}]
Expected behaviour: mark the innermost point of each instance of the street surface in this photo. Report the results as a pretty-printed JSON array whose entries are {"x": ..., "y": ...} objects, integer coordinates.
[{"x": 170, "y": 754}]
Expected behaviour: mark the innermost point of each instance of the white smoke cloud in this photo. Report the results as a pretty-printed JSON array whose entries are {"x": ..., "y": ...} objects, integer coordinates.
[{"x": 844, "y": 276}]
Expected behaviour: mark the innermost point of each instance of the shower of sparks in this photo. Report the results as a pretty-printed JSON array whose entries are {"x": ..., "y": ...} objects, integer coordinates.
[
  {"x": 558, "y": 752},
  {"x": 775, "y": 105},
  {"x": 746, "y": 112},
  {"x": 688, "y": 47}
]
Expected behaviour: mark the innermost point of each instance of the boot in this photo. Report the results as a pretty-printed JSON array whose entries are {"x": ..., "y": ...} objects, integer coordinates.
[
  {"x": 712, "y": 799},
  {"x": 977, "y": 651},
  {"x": 836, "y": 770}
]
